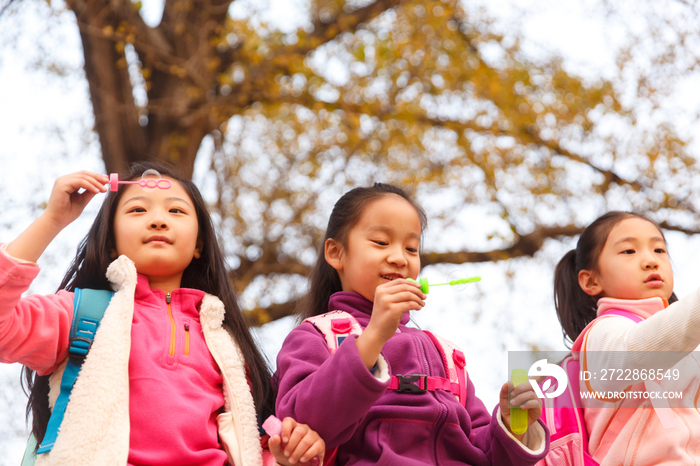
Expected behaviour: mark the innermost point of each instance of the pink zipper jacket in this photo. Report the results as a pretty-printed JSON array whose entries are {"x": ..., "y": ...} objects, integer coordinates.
[
  {"x": 626, "y": 430},
  {"x": 163, "y": 381}
]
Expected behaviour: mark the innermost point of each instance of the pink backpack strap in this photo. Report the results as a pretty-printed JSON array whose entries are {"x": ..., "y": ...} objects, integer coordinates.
[
  {"x": 612, "y": 312},
  {"x": 661, "y": 406},
  {"x": 455, "y": 366},
  {"x": 335, "y": 326}
]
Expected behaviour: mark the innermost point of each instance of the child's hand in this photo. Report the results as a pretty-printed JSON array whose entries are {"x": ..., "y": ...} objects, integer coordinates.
[
  {"x": 391, "y": 301},
  {"x": 66, "y": 203},
  {"x": 298, "y": 443},
  {"x": 522, "y": 395}
]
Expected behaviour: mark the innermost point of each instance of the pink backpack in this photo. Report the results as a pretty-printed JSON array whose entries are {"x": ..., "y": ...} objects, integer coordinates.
[
  {"x": 563, "y": 415},
  {"x": 336, "y": 326}
]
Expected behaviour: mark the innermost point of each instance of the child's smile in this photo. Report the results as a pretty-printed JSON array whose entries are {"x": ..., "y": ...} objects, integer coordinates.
[
  {"x": 392, "y": 276},
  {"x": 381, "y": 247}
]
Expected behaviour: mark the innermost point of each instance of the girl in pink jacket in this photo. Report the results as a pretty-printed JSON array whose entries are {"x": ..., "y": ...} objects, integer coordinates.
[
  {"x": 640, "y": 380},
  {"x": 173, "y": 375}
]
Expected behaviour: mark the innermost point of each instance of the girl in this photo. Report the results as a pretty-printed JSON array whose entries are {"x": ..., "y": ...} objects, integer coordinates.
[
  {"x": 621, "y": 263},
  {"x": 173, "y": 375},
  {"x": 371, "y": 248}
]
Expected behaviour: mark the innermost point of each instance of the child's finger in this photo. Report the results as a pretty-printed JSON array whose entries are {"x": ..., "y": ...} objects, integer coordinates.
[
  {"x": 288, "y": 425},
  {"x": 88, "y": 181},
  {"x": 306, "y": 447},
  {"x": 316, "y": 450},
  {"x": 404, "y": 296},
  {"x": 291, "y": 449},
  {"x": 523, "y": 398},
  {"x": 397, "y": 286},
  {"x": 522, "y": 388},
  {"x": 275, "y": 446}
]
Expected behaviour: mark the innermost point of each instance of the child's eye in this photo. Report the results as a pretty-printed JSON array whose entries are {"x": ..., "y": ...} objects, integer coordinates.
[
  {"x": 381, "y": 243},
  {"x": 412, "y": 250},
  {"x": 628, "y": 251},
  {"x": 660, "y": 251},
  {"x": 137, "y": 209},
  {"x": 176, "y": 210}
]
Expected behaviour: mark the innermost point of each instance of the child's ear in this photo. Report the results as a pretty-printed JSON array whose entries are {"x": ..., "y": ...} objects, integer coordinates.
[
  {"x": 333, "y": 252},
  {"x": 198, "y": 249},
  {"x": 588, "y": 282},
  {"x": 113, "y": 254}
]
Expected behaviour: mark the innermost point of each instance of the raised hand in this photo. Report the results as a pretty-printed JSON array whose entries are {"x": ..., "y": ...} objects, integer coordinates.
[
  {"x": 391, "y": 301},
  {"x": 66, "y": 203}
]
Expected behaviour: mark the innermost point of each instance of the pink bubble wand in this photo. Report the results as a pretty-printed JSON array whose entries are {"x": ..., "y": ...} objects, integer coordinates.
[{"x": 153, "y": 181}]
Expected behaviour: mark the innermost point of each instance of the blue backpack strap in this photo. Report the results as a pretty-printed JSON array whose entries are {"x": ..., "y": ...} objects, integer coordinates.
[{"x": 88, "y": 308}]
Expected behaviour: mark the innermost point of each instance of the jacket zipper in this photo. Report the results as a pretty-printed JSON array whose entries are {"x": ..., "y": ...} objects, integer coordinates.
[
  {"x": 173, "y": 332},
  {"x": 443, "y": 409},
  {"x": 187, "y": 339}
]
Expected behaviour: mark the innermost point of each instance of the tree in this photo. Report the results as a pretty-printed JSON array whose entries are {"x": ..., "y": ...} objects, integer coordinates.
[{"x": 413, "y": 92}]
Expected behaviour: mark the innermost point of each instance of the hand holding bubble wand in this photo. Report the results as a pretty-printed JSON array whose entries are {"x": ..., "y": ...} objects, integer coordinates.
[
  {"x": 150, "y": 179},
  {"x": 425, "y": 286}
]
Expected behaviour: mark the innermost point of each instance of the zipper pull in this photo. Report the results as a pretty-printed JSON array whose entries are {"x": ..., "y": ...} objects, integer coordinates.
[{"x": 167, "y": 297}]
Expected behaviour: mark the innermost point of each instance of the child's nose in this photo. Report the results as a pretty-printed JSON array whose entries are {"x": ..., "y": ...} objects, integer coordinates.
[
  {"x": 650, "y": 262},
  {"x": 397, "y": 258},
  {"x": 158, "y": 222}
]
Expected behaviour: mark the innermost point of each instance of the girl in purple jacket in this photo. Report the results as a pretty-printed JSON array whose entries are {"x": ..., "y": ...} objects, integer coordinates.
[{"x": 370, "y": 249}]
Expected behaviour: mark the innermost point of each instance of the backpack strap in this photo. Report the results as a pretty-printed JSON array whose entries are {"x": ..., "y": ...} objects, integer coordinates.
[
  {"x": 660, "y": 405},
  {"x": 455, "y": 366},
  {"x": 336, "y": 326},
  {"x": 88, "y": 308},
  {"x": 578, "y": 343}
]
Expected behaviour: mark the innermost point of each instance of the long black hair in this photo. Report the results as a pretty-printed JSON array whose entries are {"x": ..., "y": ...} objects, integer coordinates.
[
  {"x": 207, "y": 273},
  {"x": 324, "y": 279},
  {"x": 575, "y": 308}
]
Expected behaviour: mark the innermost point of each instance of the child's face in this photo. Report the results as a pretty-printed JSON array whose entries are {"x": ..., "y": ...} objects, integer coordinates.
[
  {"x": 634, "y": 264},
  {"x": 157, "y": 229},
  {"x": 382, "y": 246}
]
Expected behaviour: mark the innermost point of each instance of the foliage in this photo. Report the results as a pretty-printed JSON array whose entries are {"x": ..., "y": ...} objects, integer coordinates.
[{"x": 411, "y": 92}]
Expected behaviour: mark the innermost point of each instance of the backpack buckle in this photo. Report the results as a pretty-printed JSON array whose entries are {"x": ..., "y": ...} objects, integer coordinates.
[
  {"x": 78, "y": 349},
  {"x": 407, "y": 383}
]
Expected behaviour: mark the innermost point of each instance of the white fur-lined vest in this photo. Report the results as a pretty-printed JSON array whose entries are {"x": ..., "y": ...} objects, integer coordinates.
[{"x": 95, "y": 428}]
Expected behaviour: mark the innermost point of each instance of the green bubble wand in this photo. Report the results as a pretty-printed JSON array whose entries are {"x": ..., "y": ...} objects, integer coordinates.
[{"x": 425, "y": 286}]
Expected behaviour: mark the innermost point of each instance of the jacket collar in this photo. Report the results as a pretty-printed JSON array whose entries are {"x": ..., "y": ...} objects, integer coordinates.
[
  {"x": 186, "y": 298},
  {"x": 643, "y": 308}
]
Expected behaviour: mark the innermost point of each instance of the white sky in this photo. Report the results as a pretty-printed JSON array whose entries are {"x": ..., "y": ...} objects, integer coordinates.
[{"x": 44, "y": 124}]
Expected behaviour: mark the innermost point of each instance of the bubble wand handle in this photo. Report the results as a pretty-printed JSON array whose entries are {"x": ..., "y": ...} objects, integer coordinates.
[
  {"x": 461, "y": 281},
  {"x": 518, "y": 416}
]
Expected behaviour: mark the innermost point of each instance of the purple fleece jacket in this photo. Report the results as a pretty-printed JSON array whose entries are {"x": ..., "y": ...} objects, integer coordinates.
[{"x": 339, "y": 398}]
